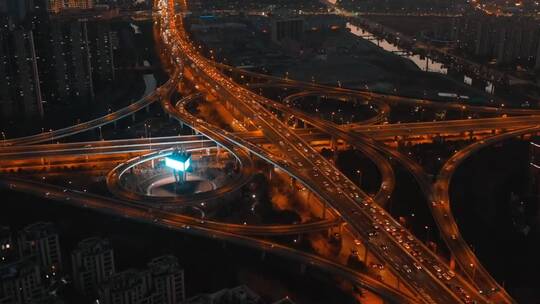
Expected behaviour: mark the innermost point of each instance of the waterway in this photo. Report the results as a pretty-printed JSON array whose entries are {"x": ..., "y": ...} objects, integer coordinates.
[{"x": 424, "y": 63}]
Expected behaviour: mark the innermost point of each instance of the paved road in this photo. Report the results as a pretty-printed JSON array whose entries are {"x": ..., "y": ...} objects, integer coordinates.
[
  {"x": 98, "y": 122},
  {"x": 316, "y": 173},
  {"x": 190, "y": 225}
]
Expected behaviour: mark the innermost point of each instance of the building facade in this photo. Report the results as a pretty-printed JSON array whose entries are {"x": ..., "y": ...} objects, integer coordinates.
[
  {"x": 93, "y": 264},
  {"x": 40, "y": 240}
]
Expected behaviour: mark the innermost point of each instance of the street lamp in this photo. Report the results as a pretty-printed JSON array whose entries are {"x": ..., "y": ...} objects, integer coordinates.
[
  {"x": 473, "y": 270},
  {"x": 146, "y": 130}
]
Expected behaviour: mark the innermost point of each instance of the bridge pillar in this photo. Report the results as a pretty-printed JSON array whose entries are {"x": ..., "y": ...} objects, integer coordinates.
[
  {"x": 133, "y": 117},
  {"x": 341, "y": 226},
  {"x": 147, "y": 108},
  {"x": 303, "y": 268},
  {"x": 333, "y": 143},
  {"x": 359, "y": 176},
  {"x": 335, "y": 150},
  {"x": 263, "y": 255},
  {"x": 270, "y": 171},
  {"x": 366, "y": 255},
  {"x": 286, "y": 117},
  {"x": 115, "y": 124}
]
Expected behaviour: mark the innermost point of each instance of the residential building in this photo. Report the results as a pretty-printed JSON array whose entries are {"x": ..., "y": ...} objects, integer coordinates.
[
  {"x": 93, "y": 264},
  {"x": 41, "y": 241}
]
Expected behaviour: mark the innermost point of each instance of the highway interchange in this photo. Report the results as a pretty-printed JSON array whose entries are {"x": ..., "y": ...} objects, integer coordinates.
[{"x": 428, "y": 276}]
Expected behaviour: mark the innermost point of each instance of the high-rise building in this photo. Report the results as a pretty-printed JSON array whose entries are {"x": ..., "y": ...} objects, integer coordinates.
[
  {"x": 21, "y": 282},
  {"x": 80, "y": 4},
  {"x": 285, "y": 300},
  {"x": 17, "y": 10},
  {"x": 292, "y": 28},
  {"x": 19, "y": 88},
  {"x": 508, "y": 40},
  {"x": 93, "y": 264},
  {"x": 41, "y": 240},
  {"x": 238, "y": 295},
  {"x": 537, "y": 63},
  {"x": 128, "y": 287},
  {"x": 7, "y": 247},
  {"x": 161, "y": 283},
  {"x": 167, "y": 279},
  {"x": 103, "y": 41},
  {"x": 57, "y": 6}
]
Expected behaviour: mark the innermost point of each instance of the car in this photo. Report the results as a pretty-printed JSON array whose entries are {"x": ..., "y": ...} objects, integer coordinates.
[
  {"x": 372, "y": 234},
  {"x": 377, "y": 266},
  {"x": 407, "y": 268}
]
